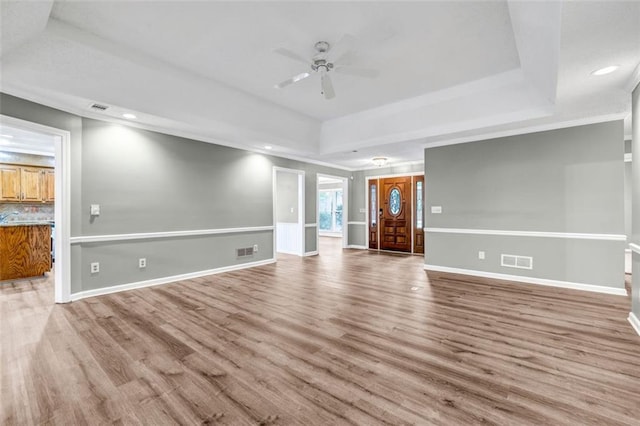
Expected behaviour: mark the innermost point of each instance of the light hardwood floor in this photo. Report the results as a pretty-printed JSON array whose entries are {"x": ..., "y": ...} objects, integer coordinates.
[{"x": 351, "y": 337}]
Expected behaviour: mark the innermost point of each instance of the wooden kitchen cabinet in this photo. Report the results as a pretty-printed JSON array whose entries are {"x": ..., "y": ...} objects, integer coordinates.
[
  {"x": 31, "y": 184},
  {"x": 49, "y": 185},
  {"x": 25, "y": 251},
  {"x": 27, "y": 184},
  {"x": 9, "y": 182}
]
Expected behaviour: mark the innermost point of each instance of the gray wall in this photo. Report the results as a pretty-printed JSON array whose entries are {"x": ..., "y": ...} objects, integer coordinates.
[
  {"x": 566, "y": 181},
  {"x": 635, "y": 208},
  {"x": 333, "y": 185},
  {"x": 286, "y": 197},
  {"x": 26, "y": 159},
  {"x": 151, "y": 182}
]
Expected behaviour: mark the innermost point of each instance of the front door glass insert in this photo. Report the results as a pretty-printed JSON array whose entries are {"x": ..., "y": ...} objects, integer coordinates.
[{"x": 394, "y": 202}]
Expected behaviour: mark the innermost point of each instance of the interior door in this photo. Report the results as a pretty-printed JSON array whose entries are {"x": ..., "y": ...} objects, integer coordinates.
[
  {"x": 395, "y": 217},
  {"x": 418, "y": 214},
  {"x": 373, "y": 214}
]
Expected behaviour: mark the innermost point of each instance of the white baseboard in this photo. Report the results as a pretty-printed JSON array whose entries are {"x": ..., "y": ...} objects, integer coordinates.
[
  {"x": 529, "y": 280},
  {"x": 166, "y": 280},
  {"x": 357, "y": 247},
  {"x": 294, "y": 253},
  {"x": 635, "y": 322},
  {"x": 311, "y": 253}
]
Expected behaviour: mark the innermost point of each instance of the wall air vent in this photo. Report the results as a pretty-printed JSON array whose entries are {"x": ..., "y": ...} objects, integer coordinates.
[
  {"x": 515, "y": 261},
  {"x": 244, "y": 252},
  {"x": 99, "y": 107}
]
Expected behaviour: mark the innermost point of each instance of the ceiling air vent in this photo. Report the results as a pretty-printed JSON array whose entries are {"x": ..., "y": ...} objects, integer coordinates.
[{"x": 99, "y": 107}]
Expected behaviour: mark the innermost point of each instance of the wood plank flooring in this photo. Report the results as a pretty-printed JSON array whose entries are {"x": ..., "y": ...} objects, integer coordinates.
[{"x": 347, "y": 337}]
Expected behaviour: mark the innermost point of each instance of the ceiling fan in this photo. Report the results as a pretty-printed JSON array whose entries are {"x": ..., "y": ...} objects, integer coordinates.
[{"x": 324, "y": 61}]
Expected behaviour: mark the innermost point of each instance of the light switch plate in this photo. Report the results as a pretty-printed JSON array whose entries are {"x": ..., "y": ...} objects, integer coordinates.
[
  {"x": 95, "y": 209},
  {"x": 436, "y": 209},
  {"x": 481, "y": 255}
]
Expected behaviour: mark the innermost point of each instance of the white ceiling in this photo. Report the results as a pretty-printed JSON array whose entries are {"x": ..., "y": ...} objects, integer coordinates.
[
  {"x": 13, "y": 139},
  {"x": 449, "y": 71}
]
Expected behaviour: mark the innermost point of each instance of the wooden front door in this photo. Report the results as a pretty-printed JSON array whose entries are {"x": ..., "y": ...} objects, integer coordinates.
[
  {"x": 395, "y": 220},
  {"x": 373, "y": 214}
]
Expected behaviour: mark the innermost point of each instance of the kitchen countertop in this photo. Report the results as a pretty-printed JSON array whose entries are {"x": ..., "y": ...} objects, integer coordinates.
[{"x": 30, "y": 223}]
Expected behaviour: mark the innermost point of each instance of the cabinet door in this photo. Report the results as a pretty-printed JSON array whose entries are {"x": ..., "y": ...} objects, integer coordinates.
[
  {"x": 9, "y": 183},
  {"x": 48, "y": 186},
  {"x": 31, "y": 179}
]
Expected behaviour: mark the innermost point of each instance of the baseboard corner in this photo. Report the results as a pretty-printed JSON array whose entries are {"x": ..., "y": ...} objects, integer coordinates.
[{"x": 635, "y": 322}]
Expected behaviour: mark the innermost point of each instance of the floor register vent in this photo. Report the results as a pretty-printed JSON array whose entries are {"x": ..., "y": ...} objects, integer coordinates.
[
  {"x": 515, "y": 261},
  {"x": 244, "y": 252}
]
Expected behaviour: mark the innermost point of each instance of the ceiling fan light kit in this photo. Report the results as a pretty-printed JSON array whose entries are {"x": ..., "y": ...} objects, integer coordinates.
[{"x": 321, "y": 64}]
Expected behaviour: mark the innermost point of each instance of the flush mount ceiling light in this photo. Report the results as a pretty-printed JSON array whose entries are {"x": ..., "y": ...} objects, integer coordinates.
[
  {"x": 268, "y": 147},
  {"x": 606, "y": 70},
  {"x": 129, "y": 116},
  {"x": 380, "y": 161}
]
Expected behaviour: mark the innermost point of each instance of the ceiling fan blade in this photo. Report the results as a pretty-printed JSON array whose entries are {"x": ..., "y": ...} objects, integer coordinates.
[
  {"x": 360, "y": 72},
  {"x": 342, "y": 48},
  {"x": 291, "y": 55},
  {"x": 294, "y": 79},
  {"x": 327, "y": 87}
]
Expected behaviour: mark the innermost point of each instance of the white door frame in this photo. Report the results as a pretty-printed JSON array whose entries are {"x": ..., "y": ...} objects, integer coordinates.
[
  {"x": 62, "y": 286},
  {"x": 345, "y": 208},
  {"x": 301, "y": 213}
]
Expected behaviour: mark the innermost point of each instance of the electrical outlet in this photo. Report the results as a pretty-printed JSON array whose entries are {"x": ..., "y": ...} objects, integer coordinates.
[
  {"x": 142, "y": 262},
  {"x": 255, "y": 248},
  {"x": 95, "y": 267},
  {"x": 481, "y": 255}
]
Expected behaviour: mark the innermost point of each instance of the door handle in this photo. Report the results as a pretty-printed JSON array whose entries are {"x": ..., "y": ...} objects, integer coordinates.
[{"x": 380, "y": 211}]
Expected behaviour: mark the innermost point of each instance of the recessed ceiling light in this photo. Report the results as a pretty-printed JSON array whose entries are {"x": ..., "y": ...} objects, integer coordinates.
[
  {"x": 129, "y": 116},
  {"x": 606, "y": 70},
  {"x": 268, "y": 147}
]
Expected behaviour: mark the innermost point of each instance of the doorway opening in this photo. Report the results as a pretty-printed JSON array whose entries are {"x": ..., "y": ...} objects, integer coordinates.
[
  {"x": 395, "y": 213},
  {"x": 40, "y": 156},
  {"x": 332, "y": 224},
  {"x": 288, "y": 211}
]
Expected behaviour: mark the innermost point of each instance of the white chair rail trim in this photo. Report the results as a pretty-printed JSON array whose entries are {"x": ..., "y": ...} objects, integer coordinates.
[
  {"x": 169, "y": 234},
  {"x": 568, "y": 235}
]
